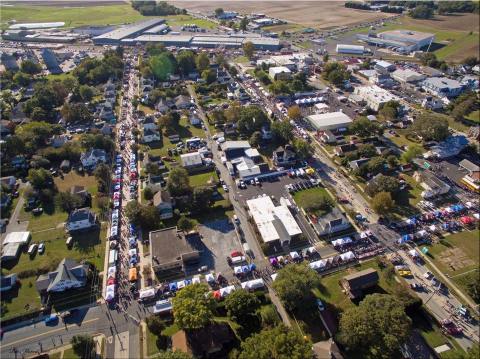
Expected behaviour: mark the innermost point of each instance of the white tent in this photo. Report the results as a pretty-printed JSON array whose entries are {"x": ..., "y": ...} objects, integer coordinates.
[
  {"x": 196, "y": 279},
  {"x": 181, "y": 284},
  {"x": 476, "y": 215},
  {"x": 210, "y": 278},
  {"x": 432, "y": 228},
  {"x": 227, "y": 290},
  {"x": 111, "y": 272},
  {"x": 147, "y": 293},
  {"x": 363, "y": 235},
  {"x": 110, "y": 292},
  {"x": 132, "y": 252},
  {"x": 253, "y": 284},
  {"x": 237, "y": 270},
  {"x": 294, "y": 255},
  {"x": 421, "y": 233},
  {"x": 274, "y": 276},
  {"x": 469, "y": 205},
  {"x": 413, "y": 253},
  {"x": 311, "y": 250},
  {"x": 348, "y": 256}
]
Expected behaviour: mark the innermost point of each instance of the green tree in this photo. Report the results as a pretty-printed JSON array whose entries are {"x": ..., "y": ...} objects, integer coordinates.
[
  {"x": 76, "y": 113},
  {"x": 202, "y": 198},
  {"x": 193, "y": 307},
  {"x": 392, "y": 161},
  {"x": 169, "y": 122},
  {"x": 382, "y": 203},
  {"x": 282, "y": 132},
  {"x": 31, "y": 68},
  {"x": 40, "y": 178},
  {"x": 177, "y": 354},
  {"x": 102, "y": 175},
  {"x": 303, "y": 149},
  {"x": 363, "y": 127},
  {"x": 430, "y": 126},
  {"x": 155, "y": 324},
  {"x": 389, "y": 111},
  {"x": 248, "y": 49},
  {"x": 278, "y": 342},
  {"x": 294, "y": 284},
  {"x": 202, "y": 61},
  {"x": 162, "y": 66},
  {"x": 243, "y": 24},
  {"x": 21, "y": 78},
  {"x": 83, "y": 345},
  {"x": 250, "y": 118},
  {"x": 375, "y": 328},
  {"x": 241, "y": 304},
  {"x": 184, "y": 224},
  {"x": 376, "y": 165},
  {"x": 294, "y": 112},
  {"x": 210, "y": 76},
  {"x": 178, "y": 183},
  {"x": 412, "y": 152},
  {"x": 148, "y": 194},
  {"x": 219, "y": 12},
  {"x": 186, "y": 61},
  {"x": 68, "y": 201},
  {"x": 382, "y": 183},
  {"x": 421, "y": 12},
  {"x": 256, "y": 139},
  {"x": 86, "y": 92}
]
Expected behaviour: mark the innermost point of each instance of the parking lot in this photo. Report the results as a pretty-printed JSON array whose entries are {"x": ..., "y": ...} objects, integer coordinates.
[{"x": 219, "y": 239}]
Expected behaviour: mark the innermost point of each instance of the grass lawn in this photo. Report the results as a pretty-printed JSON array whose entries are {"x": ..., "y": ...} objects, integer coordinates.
[
  {"x": 457, "y": 253},
  {"x": 305, "y": 44},
  {"x": 241, "y": 59},
  {"x": 72, "y": 16},
  {"x": 291, "y": 27},
  {"x": 73, "y": 178},
  {"x": 179, "y": 20},
  {"x": 301, "y": 197},
  {"x": 70, "y": 354},
  {"x": 56, "y": 355},
  {"x": 474, "y": 116},
  {"x": 145, "y": 109},
  {"x": 203, "y": 179},
  {"x": 151, "y": 343},
  {"x": 49, "y": 219},
  {"x": 21, "y": 300},
  {"x": 402, "y": 139}
]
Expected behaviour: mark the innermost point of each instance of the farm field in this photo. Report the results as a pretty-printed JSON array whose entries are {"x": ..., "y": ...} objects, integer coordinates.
[
  {"x": 72, "y": 16},
  {"x": 319, "y": 14}
]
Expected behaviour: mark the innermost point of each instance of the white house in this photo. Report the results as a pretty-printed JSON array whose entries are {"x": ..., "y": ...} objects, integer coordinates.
[
  {"x": 442, "y": 87},
  {"x": 69, "y": 274},
  {"x": 93, "y": 157},
  {"x": 163, "y": 204},
  {"x": 81, "y": 219},
  {"x": 432, "y": 185},
  {"x": 192, "y": 159},
  {"x": 148, "y": 123},
  {"x": 279, "y": 73},
  {"x": 150, "y": 136}
]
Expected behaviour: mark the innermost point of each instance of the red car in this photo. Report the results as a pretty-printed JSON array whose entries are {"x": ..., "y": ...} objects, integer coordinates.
[{"x": 451, "y": 328}]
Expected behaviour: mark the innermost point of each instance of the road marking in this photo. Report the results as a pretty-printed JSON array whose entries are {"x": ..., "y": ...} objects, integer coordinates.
[{"x": 49, "y": 332}]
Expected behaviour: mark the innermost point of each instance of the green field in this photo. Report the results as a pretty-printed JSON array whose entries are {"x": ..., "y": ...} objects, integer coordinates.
[
  {"x": 72, "y": 16},
  {"x": 474, "y": 116},
  {"x": 203, "y": 179},
  {"x": 301, "y": 196},
  {"x": 70, "y": 354},
  {"x": 180, "y": 20}
]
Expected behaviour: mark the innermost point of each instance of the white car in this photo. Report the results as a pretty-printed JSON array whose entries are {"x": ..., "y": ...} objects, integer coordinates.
[{"x": 225, "y": 187}]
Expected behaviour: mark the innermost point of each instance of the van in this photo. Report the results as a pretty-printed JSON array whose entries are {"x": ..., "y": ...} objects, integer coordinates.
[{"x": 32, "y": 249}]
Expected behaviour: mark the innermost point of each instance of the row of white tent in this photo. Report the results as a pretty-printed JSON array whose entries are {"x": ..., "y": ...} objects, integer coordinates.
[
  {"x": 309, "y": 101},
  {"x": 322, "y": 263}
]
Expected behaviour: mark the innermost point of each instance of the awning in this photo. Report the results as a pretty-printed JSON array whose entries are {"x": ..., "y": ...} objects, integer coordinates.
[
  {"x": 226, "y": 291},
  {"x": 181, "y": 284},
  {"x": 196, "y": 279},
  {"x": 413, "y": 253},
  {"x": 210, "y": 278},
  {"x": 172, "y": 287},
  {"x": 294, "y": 255},
  {"x": 274, "y": 276},
  {"x": 147, "y": 293}
]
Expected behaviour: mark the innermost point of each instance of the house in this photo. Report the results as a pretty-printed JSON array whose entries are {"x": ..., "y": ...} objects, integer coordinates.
[
  {"x": 163, "y": 203},
  {"x": 12, "y": 244},
  {"x": 356, "y": 164},
  {"x": 82, "y": 192},
  {"x": 7, "y": 282},
  {"x": 69, "y": 274},
  {"x": 330, "y": 223},
  {"x": 345, "y": 148},
  {"x": 9, "y": 182},
  {"x": 191, "y": 160},
  {"x": 354, "y": 284},
  {"x": 92, "y": 158},
  {"x": 150, "y": 136},
  {"x": 279, "y": 73},
  {"x": 442, "y": 87},
  {"x": 472, "y": 168},
  {"x": 5, "y": 128},
  {"x": 284, "y": 156},
  {"x": 81, "y": 219},
  {"x": 182, "y": 102},
  {"x": 148, "y": 123},
  {"x": 195, "y": 120},
  {"x": 152, "y": 159},
  {"x": 328, "y": 137},
  {"x": 213, "y": 341},
  {"x": 245, "y": 167},
  {"x": 106, "y": 130},
  {"x": 431, "y": 103},
  {"x": 384, "y": 67},
  {"x": 59, "y": 140},
  {"x": 163, "y": 105},
  {"x": 432, "y": 185}
]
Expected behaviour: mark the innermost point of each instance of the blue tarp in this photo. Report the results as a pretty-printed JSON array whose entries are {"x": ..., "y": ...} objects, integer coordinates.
[{"x": 172, "y": 287}]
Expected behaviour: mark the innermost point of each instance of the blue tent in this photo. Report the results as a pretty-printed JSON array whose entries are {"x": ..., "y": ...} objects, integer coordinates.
[
  {"x": 446, "y": 226},
  {"x": 252, "y": 267},
  {"x": 188, "y": 281},
  {"x": 173, "y": 287},
  {"x": 245, "y": 269}
]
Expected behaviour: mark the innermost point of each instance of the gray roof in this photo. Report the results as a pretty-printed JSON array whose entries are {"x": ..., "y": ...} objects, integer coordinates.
[
  {"x": 468, "y": 165},
  {"x": 81, "y": 214},
  {"x": 129, "y": 30},
  {"x": 68, "y": 269},
  {"x": 361, "y": 279}
]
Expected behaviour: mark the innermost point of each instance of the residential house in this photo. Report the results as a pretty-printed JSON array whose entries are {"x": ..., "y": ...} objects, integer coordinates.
[
  {"x": 195, "y": 119},
  {"x": 148, "y": 158},
  {"x": 431, "y": 103},
  {"x": 432, "y": 185},
  {"x": 92, "y": 158},
  {"x": 5, "y": 128},
  {"x": 442, "y": 87},
  {"x": 148, "y": 123},
  {"x": 7, "y": 282},
  {"x": 284, "y": 156},
  {"x": 341, "y": 150},
  {"x": 280, "y": 73},
  {"x": 328, "y": 137},
  {"x": 472, "y": 168},
  {"x": 69, "y": 274},
  {"x": 150, "y": 136},
  {"x": 82, "y": 192},
  {"x": 81, "y": 219},
  {"x": 330, "y": 223},
  {"x": 222, "y": 76},
  {"x": 182, "y": 102},
  {"x": 163, "y": 105},
  {"x": 59, "y": 140},
  {"x": 191, "y": 160},
  {"x": 106, "y": 130},
  {"x": 163, "y": 203},
  {"x": 354, "y": 284},
  {"x": 356, "y": 164}
]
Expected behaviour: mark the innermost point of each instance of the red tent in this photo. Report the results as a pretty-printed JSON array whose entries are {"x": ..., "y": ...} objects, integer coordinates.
[
  {"x": 217, "y": 295},
  {"x": 466, "y": 220},
  {"x": 110, "y": 281}
]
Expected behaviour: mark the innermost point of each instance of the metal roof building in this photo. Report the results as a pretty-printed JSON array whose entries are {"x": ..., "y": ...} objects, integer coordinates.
[
  {"x": 350, "y": 49},
  {"x": 329, "y": 121},
  {"x": 114, "y": 37}
]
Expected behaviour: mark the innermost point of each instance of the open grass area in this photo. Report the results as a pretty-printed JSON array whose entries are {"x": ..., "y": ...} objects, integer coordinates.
[
  {"x": 73, "y": 178},
  {"x": 180, "y": 20},
  {"x": 474, "y": 116},
  {"x": 203, "y": 179},
  {"x": 20, "y": 300},
  {"x": 241, "y": 59},
  {"x": 72, "y": 16},
  {"x": 57, "y": 355},
  {"x": 302, "y": 197},
  {"x": 70, "y": 354},
  {"x": 290, "y": 27}
]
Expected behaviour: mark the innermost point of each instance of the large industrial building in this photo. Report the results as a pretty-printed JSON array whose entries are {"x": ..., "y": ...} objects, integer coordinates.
[
  {"x": 350, "y": 49},
  {"x": 374, "y": 96},
  {"x": 404, "y": 41},
  {"x": 129, "y": 31},
  {"x": 329, "y": 121}
]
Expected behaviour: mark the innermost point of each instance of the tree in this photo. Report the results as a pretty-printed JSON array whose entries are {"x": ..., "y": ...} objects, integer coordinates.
[
  {"x": 210, "y": 76},
  {"x": 412, "y": 152},
  {"x": 29, "y": 67},
  {"x": 243, "y": 24},
  {"x": 178, "y": 183},
  {"x": 282, "y": 132},
  {"x": 202, "y": 61},
  {"x": 325, "y": 57},
  {"x": 193, "y": 307},
  {"x": 470, "y": 61},
  {"x": 148, "y": 194},
  {"x": 392, "y": 161},
  {"x": 430, "y": 126},
  {"x": 219, "y": 12},
  {"x": 155, "y": 324},
  {"x": 303, "y": 149},
  {"x": 363, "y": 127},
  {"x": 250, "y": 118},
  {"x": 278, "y": 342},
  {"x": 202, "y": 198},
  {"x": 294, "y": 112},
  {"x": 382, "y": 183},
  {"x": 186, "y": 61},
  {"x": 76, "y": 113},
  {"x": 162, "y": 66},
  {"x": 21, "y": 78},
  {"x": 169, "y": 122},
  {"x": 382, "y": 202},
  {"x": 102, "y": 175},
  {"x": 40, "y": 178},
  {"x": 83, "y": 345},
  {"x": 240, "y": 304},
  {"x": 294, "y": 284},
  {"x": 177, "y": 354},
  {"x": 421, "y": 12},
  {"x": 248, "y": 49},
  {"x": 336, "y": 73},
  {"x": 86, "y": 92},
  {"x": 68, "y": 201},
  {"x": 184, "y": 224},
  {"x": 389, "y": 111},
  {"x": 376, "y": 165},
  {"x": 375, "y": 328},
  {"x": 256, "y": 139}
]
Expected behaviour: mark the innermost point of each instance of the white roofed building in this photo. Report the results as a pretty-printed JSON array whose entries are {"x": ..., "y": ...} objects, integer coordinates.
[
  {"x": 407, "y": 75},
  {"x": 329, "y": 121},
  {"x": 374, "y": 96},
  {"x": 275, "y": 224},
  {"x": 280, "y": 73}
]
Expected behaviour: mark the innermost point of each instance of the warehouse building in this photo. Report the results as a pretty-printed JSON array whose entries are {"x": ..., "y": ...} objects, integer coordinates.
[
  {"x": 275, "y": 224},
  {"x": 329, "y": 121},
  {"x": 384, "y": 67},
  {"x": 374, "y": 96},
  {"x": 350, "y": 49},
  {"x": 407, "y": 76},
  {"x": 33, "y": 36},
  {"x": 403, "y": 41},
  {"x": 159, "y": 29},
  {"x": 129, "y": 31}
]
